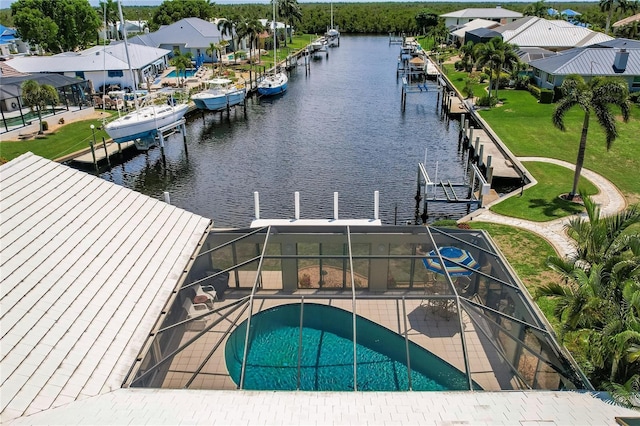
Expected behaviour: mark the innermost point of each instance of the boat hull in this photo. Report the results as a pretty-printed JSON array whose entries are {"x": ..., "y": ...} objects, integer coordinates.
[
  {"x": 217, "y": 102},
  {"x": 144, "y": 123},
  {"x": 273, "y": 85}
]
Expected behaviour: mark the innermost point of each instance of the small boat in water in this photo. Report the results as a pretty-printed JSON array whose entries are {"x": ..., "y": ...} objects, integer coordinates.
[
  {"x": 277, "y": 82},
  {"x": 144, "y": 122},
  {"x": 221, "y": 94},
  {"x": 273, "y": 84}
]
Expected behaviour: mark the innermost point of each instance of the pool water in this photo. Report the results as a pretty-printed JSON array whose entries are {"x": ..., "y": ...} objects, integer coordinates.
[
  {"x": 189, "y": 73},
  {"x": 326, "y": 355}
]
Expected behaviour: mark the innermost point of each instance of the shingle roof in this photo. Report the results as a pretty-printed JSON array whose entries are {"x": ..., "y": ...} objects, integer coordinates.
[
  {"x": 190, "y": 32},
  {"x": 589, "y": 61},
  {"x": 87, "y": 267},
  {"x": 554, "y": 34},
  {"x": 486, "y": 13},
  {"x": 97, "y": 58}
]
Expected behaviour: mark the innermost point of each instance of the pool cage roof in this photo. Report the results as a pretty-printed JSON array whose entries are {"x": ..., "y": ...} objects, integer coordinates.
[{"x": 430, "y": 308}]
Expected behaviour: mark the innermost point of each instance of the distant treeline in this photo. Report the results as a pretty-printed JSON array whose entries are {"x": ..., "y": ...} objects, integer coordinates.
[{"x": 380, "y": 18}]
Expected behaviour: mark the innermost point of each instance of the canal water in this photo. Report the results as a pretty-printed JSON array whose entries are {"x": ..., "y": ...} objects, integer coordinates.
[{"x": 339, "y": 127}]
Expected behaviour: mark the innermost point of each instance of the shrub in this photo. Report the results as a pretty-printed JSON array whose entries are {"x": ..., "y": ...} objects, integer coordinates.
[
  {"x": 305, "y": 281},
  {"x": 484, "y": 77},
  {"x": 503, "y": 81},
  {"x": 458, "y": 65},
  {"x": 557, "y": 93},
  {"x": 535, "y": 91},
  {"x": 467, "y": 90},
  {"x": 485, "y": 101},
  {"x": 635, "y": 97},
  {"x": 546, "y": 96}
]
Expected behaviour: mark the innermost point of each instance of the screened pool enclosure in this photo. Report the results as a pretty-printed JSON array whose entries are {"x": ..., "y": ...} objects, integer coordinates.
[{"x": 381, "y": 308}]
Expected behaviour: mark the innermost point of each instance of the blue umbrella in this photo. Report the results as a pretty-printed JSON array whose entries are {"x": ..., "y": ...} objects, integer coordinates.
[{"x": 451, "y": 255}]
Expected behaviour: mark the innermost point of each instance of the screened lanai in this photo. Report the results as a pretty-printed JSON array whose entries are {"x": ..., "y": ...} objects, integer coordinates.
[{"x": 340, "y": 308}]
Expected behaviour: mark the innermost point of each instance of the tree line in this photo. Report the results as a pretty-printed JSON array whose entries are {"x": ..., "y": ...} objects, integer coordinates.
[{"x": 63, "y": 25}]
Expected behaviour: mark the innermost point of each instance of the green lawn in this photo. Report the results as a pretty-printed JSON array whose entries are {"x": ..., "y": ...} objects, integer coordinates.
[
  {"x": 541, "y": 203},
  {"x": 70, "y": 138},
  {"x": 524, "y": 125}
]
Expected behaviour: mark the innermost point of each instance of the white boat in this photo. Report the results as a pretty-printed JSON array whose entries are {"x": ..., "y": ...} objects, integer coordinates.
[
  {"x": 144, "y": 122},
  {"x": 277, "y": 82},
  {"x": 332, "y": 35},
  {"x": 318, "y": 45},
  {"x": 221, "y": 94}
]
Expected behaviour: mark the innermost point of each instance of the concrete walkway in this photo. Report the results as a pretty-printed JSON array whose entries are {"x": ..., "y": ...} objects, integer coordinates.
[{"x": 608, "y": 197}]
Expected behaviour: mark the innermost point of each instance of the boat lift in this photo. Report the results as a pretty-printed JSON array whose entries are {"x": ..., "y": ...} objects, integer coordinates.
[
  {"x": 419, "y": 87},
  {"x": 168, "y": 130},
  {"x": 448, "y": 192}
]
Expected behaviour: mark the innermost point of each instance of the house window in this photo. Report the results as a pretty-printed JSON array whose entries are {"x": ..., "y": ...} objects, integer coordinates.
[
  {"x": 537, "y": 72},
  {"x": 80, "y": 74},
  {"x": 116, "y": 73},
  {"x": 636, "y": 83},
  {"x": 550, "y": 78}
]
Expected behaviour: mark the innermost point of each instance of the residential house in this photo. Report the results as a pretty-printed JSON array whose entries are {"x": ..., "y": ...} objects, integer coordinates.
[
  {"x": 192, "y": 35},
  {"x": 100, "y": 65},
  {"x": 614, "y": 59},
  {"x": 554, "y": 35},
  {"x": 457, "y": 35},
  {"x": 497, "y": 14}
]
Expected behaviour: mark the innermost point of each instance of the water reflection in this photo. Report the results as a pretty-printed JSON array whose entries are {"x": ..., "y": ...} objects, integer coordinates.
[{"x": 338, "y": 128}]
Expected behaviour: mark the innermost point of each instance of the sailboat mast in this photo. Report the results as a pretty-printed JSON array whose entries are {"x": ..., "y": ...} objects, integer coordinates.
[
  {"x": 275, "y": 60},
  {"x": 126, "y": 49},
  {"x": 331, "y": 15}
]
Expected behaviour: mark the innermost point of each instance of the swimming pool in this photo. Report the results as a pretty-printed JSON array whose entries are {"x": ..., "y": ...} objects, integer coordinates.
[
  {"x": 326, "y": 355},
  {"x": 190, "y": 73}
]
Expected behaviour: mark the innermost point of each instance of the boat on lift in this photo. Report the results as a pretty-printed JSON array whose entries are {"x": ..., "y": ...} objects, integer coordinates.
[
  {"x": 143, "y": 123},
  {"x": 221, "y": 94}
]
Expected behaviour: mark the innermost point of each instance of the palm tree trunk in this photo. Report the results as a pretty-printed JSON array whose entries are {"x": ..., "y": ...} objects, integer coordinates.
[
  {"x": 40, "y": 131},
  {"x": 606, "y": 30},
  {"x": 581, "y": 150}
]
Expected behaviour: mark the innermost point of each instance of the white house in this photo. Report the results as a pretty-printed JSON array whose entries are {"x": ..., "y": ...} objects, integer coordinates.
[
  {"x": 193, "y": 35},
  {"x": 457, "y": 35},
  {"x": 497, "y": 14},
  {"x": 555, "y": 35},
  {"x": 100, "y": 65}
]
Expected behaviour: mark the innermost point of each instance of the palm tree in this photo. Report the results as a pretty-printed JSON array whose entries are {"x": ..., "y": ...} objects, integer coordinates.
[
  {"x": 538, "y": 9},
  {"x": 594, "y": 97},
  {"x": 290, "y": 12},
  {"x": 37, "y": 96},
  {"x": 608, "y": 6},
  {"x": 111, "y": 16},
  {"x": 601, "y": 238},
  {"x": 226, "y": 28},
  {"x": 496, "y": 54},
  {"x": 468, "y": 56},
  {"x": 181, "y": 61},
  {"x": 251, "y": 28}
]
